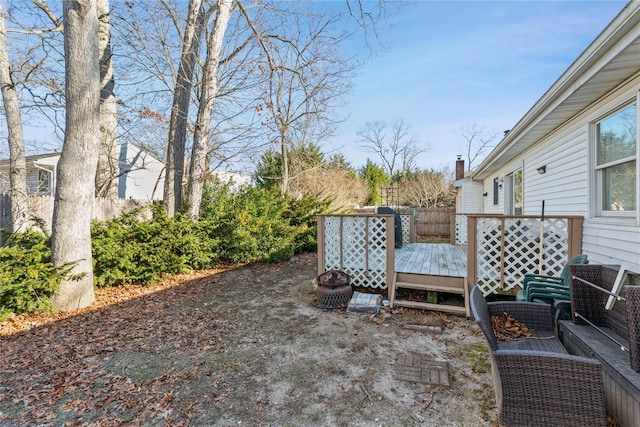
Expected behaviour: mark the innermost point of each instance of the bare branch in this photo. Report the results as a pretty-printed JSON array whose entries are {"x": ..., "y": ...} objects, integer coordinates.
[
  {"x": 394, "y": 144},
  {"x": 478, "y": 143}
]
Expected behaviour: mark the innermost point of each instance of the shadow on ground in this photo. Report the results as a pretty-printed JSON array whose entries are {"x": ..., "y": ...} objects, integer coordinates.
[{"x": 244, "y": 346}]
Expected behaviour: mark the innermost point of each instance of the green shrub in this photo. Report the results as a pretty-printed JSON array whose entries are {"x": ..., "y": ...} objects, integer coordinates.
[
  {"x": 259, "y": 224},
  {"x": 301, "y": 214},
  {"x": 251, "y": 225},
  {"x": 255, "y": 224},
  {"x": 27, "y": 276},
  {"x": 127, "y": 250},
  {"x": 248, "y": 226}
]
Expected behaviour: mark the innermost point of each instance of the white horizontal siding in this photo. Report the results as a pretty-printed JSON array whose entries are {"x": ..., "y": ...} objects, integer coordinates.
[
  {"x": 612, "y": 243},
  {"x": 566, "y": 186},
  {"x": 471, "y": 198},
  {"x": 489, "y": 207}
]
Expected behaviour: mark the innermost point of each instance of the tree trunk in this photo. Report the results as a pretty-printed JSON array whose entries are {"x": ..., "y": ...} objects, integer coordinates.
[
  {"x": 107, "y": 172},
  {"x": 75, "y": 188},
  {"x": 17, "y": 163},
  {"x": 284, "y": 151},
  {"x": 174, "y": 170},
  {"x": 199, "y": 153}
]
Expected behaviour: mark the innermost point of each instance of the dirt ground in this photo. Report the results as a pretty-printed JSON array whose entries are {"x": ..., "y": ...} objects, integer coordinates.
[{"x": 237, "y": 347}]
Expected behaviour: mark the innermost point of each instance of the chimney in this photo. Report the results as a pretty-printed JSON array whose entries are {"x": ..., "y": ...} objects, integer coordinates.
[{"x": 459, "y": 168}]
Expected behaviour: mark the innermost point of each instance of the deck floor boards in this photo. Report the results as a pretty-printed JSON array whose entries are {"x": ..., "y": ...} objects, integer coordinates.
[{"x": 432, "y": 259}]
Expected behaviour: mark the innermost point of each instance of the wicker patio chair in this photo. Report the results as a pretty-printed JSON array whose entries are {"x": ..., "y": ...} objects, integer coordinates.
[{"x": 537, "y": 383}]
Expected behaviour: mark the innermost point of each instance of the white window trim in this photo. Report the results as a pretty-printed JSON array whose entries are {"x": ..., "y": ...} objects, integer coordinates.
[
  {"x": 597, "y": 212},
  {"x": 508, "y": 185}
]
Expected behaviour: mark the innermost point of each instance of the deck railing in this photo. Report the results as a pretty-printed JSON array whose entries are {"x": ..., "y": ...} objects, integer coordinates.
[
  {"x": 459, "y": 232},
  {"x": 501, "y": 249},
  {"x": 361, "y": 245}
]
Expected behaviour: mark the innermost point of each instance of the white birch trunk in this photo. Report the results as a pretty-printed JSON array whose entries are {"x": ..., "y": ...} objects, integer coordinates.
[
  {"x": 198, "y": 167},
  {"x": 174, "y": 169},
  {"x": 17, "y": 162},
  {"x": 107, "y": 172},
  {"x": 75, "y": 187}
]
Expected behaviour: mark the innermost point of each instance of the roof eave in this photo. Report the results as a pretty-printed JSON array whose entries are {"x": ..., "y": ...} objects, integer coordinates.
[{"x": 625, "y": 25}]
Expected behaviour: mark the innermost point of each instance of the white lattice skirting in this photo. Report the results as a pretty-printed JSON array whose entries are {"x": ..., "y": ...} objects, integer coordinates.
[{"x": 357, "y": 246}]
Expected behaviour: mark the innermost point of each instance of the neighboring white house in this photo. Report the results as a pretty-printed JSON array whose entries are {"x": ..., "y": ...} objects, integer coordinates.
[
  {"x": 577, "y": 149},
  {"x": 141, "y": 176},
  {"x": 41, "y": 171},
  {"x": 235, "y": 180}
]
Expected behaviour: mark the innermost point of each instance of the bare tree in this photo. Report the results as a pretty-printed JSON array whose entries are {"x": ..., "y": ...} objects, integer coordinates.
[
  {"x": 478, "y": 142},
  {"x": 428, "y": 188},
  {"x": 75, "y": 187},
  {"x": 307, "y": 79},
  {"x": 38, "y": 65},
  {"x": 210, "y": 86},
  {"x": 107, "y": 169},
  {"x": 396, "y": 147},
  {"x": 17, "y": 162},
  {"x": 174, "y": 169}
]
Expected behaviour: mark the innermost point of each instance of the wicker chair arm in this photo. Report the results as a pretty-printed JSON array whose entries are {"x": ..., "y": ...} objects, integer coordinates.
[
  {"x": 540, "y": 388},
  {"x": 534, "y": 315}
]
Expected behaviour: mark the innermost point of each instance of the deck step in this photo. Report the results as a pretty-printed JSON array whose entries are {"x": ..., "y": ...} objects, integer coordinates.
[
  {"x": 432, "y": 287},
  {"x": 454, "y": 309}
]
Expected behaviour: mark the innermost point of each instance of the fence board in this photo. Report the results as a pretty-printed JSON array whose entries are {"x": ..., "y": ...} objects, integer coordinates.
[
  {"x": 41, "y": 209},
  {"x": 433, "y": 222}
]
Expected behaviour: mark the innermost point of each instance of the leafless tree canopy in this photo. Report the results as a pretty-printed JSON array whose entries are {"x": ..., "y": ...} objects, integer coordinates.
[
  {"x": 478, "y": 142},
  {"x": 428, "y": 188},
  {"x": 395, "y": 145}
]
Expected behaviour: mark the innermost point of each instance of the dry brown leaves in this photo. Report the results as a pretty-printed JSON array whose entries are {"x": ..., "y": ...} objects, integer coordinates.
[
  {"x": 105, "y": 297},
  {"x": 130, "y": 358},
  {"x": 60, "y": 360},
  {"x": 507, "y": 328}
]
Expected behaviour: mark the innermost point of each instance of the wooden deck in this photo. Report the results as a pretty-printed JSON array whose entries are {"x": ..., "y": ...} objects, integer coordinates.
[
  {"x": 432, "y": 259},
  {"x": 431, "y": 267}
]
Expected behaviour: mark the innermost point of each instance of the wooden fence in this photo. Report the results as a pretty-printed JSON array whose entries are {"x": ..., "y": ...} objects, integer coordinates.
[
  {"x": 41, "y": 210},
  {"x": 432, "y": 223}
]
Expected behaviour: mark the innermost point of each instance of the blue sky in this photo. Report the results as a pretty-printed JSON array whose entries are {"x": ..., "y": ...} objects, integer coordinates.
[{"x": 450, "y": 64}]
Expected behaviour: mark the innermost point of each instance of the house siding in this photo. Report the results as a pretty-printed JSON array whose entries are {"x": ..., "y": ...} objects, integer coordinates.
[
  {"x": 489, "y": 207},
  {"x": 612, "y": 243},
  {"x": 564, "y": 186},
  {"x": 567, "y": 187},
  {"x": 470, "y": 200}
]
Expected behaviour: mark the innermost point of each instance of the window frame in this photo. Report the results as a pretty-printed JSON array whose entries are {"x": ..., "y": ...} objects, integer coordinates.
[
  {"x": 510, "y": 189},
  {"x": 598, "y": 170}
]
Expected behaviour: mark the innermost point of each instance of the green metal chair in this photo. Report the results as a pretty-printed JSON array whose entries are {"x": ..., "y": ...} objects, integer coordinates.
[{"x": 549, "y": 289}]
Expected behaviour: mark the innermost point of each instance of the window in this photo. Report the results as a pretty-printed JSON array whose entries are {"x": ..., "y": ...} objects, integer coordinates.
[
  {"x": 496, "y": 187},
  {"x": 39, "y": 182},
  {"x": 5, "y": 187},
  {"x": 616, "y": 162},
  {"x": 44, "y": 182},
  {"x": 513, "y": 193}
]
